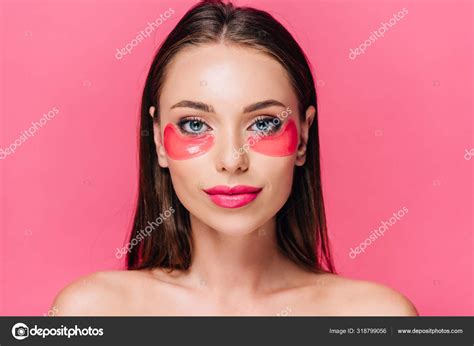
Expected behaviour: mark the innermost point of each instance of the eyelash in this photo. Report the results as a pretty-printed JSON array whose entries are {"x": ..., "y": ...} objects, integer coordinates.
[{"x": 186, "y": 120}]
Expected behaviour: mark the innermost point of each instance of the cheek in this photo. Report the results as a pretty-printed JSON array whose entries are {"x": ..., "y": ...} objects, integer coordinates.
[
  {"x": 181, "y": 147},
  {"x": 278, "y": 175},
  {"x": 282, "y": 144}
]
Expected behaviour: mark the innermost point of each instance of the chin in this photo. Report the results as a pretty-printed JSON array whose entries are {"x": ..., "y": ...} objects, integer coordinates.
[{"x": 235, "y": 225}]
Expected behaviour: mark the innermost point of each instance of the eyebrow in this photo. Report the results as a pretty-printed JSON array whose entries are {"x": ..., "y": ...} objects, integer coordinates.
[
  {"x": 209, "y": 109},
  {"x": 195, "y": 105}
]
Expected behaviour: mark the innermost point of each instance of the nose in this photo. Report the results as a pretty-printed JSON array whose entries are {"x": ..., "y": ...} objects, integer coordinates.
[{"x": 232, "y": 152}]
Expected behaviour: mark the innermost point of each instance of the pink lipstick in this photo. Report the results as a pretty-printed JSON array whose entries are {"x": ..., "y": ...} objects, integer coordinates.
[{"x": 233, "y": 197}]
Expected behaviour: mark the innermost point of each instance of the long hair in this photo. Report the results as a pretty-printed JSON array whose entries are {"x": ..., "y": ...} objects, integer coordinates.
[{"x": 301, "y": 223}]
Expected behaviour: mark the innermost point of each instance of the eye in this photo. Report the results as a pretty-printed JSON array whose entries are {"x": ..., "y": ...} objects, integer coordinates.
[
  {"x": 266, "y": 124},
  {"x": 192, "y": 126}
]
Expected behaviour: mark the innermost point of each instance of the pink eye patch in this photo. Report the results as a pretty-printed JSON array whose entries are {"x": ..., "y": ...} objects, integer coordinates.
[
  {"x": 283, "y": 143},
  {"x": 182, "y": 147}
]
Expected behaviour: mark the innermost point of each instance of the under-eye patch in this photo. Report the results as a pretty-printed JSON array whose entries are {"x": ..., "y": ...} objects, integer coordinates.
[
  {"x": 283, "y": 143},
  {"x": 182, "y": 147}
]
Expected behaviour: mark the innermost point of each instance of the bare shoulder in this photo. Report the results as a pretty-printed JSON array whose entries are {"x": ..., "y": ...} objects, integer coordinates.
[
  {"x": 95, "y": 294},
  {"x": 365, "y": 298}
]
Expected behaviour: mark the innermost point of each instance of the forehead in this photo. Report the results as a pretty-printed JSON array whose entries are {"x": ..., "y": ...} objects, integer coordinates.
[{"x": 225, "y": 76}]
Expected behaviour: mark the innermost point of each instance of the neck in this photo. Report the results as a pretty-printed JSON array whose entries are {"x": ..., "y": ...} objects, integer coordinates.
[{"x": 239, "y": 264}]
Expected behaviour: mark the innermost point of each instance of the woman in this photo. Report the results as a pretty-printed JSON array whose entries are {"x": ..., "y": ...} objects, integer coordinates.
[{"x": 230, "y": 216}]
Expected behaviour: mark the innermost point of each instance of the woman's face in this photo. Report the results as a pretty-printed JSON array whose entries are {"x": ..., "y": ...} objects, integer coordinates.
[{"x": 228, "y": 117}]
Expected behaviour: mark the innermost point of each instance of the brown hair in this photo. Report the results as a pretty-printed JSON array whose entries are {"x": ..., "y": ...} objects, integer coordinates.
[{"x": 301, "y": 222}]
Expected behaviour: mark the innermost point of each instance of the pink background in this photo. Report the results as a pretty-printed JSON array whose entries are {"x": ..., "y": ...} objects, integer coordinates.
[{"x": 395, "y": 124}]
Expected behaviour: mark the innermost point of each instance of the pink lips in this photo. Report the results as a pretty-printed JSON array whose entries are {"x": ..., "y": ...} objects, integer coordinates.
[{"x": 233, "y": 197}]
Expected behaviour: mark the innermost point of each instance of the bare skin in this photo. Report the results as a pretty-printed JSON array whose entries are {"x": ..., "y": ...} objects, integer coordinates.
[
  {"x": 156, "y": 293},
  {"x": 236, "y": 268},
  {"x": 252, "y": 278}
]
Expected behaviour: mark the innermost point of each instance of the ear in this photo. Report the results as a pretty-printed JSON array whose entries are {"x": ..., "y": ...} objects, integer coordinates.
[
  {"x": 305, "y": 125},
  {"x": 160, "y": 148}
]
